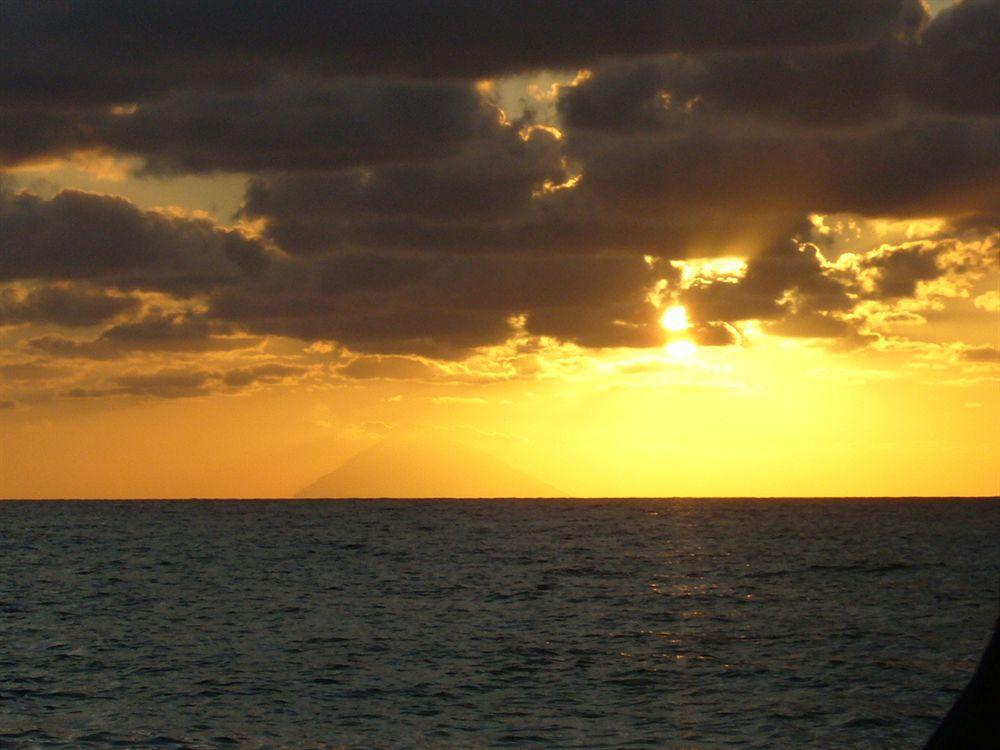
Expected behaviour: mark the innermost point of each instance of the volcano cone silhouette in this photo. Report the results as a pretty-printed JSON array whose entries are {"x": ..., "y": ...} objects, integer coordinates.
[{"x": 405, "y": 467}]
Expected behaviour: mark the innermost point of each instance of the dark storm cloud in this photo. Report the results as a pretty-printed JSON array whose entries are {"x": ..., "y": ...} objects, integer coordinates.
[
  {"x": 566, "y": 222},
  {"x": 35, "y": 131},
  {"x": 242, "y": 377},
  {"x": 231, "y": 86},
  {"x": 165, "y": 383},
  {"x": 499, "y": 196},
  {"x": 699, "y": 190},
  {"x": 443, "y": 304},
  {"x": 82, "y": 236},
  {"x": 122, "y": 51},
  {"x": 364, "y": 322},
  {"x": 401, "y": 213},
  {"x": 802, "y": 87},
  {"x": 301, "y": 126},
  {"x": 948, "y": 68},
  {"x": 157, "y": 332},
  {"x": 188, "y": 382},
  {"x": 286, "y": 125},
  {"x": 924, "y": 167},
  {"x": 489, "y": 183},
  {"x": 63, "y": 305},
  {"x": 956, "y": 64}
]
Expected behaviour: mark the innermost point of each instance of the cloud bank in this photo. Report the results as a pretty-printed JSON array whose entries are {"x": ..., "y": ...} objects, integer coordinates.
[{"x": 398, "y": 205}]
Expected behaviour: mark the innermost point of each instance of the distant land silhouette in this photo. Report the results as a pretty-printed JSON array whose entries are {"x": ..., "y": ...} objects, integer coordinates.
[{"x": 408, "y": 467}]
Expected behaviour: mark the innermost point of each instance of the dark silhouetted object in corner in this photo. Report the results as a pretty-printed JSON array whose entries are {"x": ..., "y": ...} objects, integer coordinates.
[{"x": 973, "y": 723}]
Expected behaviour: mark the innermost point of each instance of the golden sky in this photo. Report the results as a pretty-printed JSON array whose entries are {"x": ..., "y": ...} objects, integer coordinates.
[{"x": 660, "y": 252}]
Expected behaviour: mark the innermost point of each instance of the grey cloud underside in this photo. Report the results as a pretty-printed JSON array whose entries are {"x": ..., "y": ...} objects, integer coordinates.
[
  {"x": 311, "y": 85},
  {"x": 685, "y": 192},
  {"x": 116, "y": 51},
  {"x": 267, "y": 373},
  {"x": 486, "y": 184},
  {"x": 949, "y": 68},
  {"x": 313, "y": 124},
  {"x": 63, "y": 305},
  {"x": 440, "y": 305},
  {"x": 188, "y": 382},
  {"x": 107, "y": 240},
  {"x": 430, "y": 303},
  {"x": 400, "y": 214},
  {"x": 155, "y": 332},
  {"x": 924, "y": 167}
]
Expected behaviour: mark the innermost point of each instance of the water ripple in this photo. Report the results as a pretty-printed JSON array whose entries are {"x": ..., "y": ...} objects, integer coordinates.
[{"x": 631, "y": 624}]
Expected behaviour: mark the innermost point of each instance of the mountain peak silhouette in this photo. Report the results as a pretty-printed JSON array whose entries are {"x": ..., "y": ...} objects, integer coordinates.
[{"x": 410, "y": 467}]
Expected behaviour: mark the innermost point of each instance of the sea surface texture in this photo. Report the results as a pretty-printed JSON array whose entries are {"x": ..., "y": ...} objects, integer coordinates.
[{"x": 481, "y": 624}]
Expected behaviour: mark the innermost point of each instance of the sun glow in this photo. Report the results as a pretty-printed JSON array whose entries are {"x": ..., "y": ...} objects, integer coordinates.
[
  {"x": 675, "y": 319},
  {"x": 682, "y": 349}
]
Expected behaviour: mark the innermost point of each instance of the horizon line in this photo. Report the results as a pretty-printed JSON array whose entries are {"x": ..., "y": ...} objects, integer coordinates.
[{"x": 552, "y": 498}]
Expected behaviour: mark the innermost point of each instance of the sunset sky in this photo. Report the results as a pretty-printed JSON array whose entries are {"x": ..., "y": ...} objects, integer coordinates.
[{"x": 684, "y": 248}]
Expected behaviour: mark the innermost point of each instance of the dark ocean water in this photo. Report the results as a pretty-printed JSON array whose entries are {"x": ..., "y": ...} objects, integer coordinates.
[{"x": 549, "y": 624}]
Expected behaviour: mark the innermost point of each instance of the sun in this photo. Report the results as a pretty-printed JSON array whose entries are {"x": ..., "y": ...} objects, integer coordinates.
[{"x": 675, "y": 318}]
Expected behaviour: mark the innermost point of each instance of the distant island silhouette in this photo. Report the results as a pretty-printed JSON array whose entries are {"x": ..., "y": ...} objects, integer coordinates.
[{"x": 404, "y": 467}]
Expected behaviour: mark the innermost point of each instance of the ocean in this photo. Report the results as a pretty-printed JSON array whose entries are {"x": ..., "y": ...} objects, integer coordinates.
[{"x": 481, "y": 624}]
